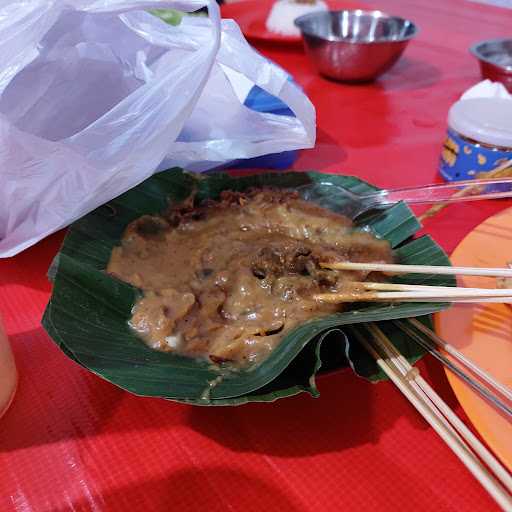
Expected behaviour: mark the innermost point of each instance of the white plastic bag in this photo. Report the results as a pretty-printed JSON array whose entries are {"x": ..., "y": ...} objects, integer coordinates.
[{"x": 95, "y": 95}]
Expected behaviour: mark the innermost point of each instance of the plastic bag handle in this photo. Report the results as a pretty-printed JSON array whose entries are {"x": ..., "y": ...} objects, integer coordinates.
[{"x": 268, "y": 76}]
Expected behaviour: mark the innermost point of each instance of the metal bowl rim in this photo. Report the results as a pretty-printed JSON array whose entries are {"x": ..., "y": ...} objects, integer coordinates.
[
  {"x": 474, "y": 49},
  {"x": 381, "y": 14}
]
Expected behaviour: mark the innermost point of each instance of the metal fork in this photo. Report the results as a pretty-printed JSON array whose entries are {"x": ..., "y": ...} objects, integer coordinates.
[{"x": 351, "y": 204}]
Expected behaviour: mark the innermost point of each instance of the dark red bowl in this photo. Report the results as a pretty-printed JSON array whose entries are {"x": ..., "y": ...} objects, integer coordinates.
[{"x": 495, "y": 57}]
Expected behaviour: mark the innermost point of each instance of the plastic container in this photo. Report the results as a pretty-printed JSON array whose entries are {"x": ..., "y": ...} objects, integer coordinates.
[
  {"x": 8, "y": 374},
  {"x": 479, "y": 138}
]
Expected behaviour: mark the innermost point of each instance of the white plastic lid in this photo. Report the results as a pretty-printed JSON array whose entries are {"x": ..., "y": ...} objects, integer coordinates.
[{"x": 487, "y": 120}]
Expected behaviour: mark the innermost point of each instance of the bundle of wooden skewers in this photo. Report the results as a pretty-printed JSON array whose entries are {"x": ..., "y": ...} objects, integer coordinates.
[
  {"x": 466, "y": 446},
  {"x": 393, "y": 292}
]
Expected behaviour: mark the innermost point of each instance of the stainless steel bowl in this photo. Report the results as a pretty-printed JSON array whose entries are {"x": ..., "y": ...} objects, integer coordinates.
[
  {"x": 495, "y": 57},
  {"x": 354, "y": 46}
]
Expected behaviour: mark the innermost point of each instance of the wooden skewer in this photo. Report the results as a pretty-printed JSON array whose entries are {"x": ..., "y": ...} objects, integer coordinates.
[
  {"x": 405, "y": 367},
  {"x": 483, "y": 391},
  {"x": 481, "y": 300},
  {"x": 455, "y": 300},
  {"x": 399, "y": 287},
  {"x": 421, "y": 295},
  {"x": 436, "y": 292},
  {"x": 459, "y": 356},
  {"x": 439, "y": 423},
  {"x": 341, "y": 300},
  {"x": 418, "y": 269},
  {"x": 357, "y": 292}
]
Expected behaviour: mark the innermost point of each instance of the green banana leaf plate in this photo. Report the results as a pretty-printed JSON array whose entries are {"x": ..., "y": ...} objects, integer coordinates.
[{"x": 88, "y": 312}]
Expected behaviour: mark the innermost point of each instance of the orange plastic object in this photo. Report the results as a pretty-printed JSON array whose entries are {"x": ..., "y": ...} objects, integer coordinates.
[{"x": 483, "y": 332}]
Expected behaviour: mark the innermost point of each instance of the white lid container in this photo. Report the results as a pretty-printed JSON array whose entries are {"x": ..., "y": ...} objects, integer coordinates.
[{"x": 485, "y": 120}]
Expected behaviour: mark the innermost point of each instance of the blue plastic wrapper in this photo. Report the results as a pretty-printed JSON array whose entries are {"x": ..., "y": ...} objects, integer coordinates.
[{"x": 261, "y": 101}]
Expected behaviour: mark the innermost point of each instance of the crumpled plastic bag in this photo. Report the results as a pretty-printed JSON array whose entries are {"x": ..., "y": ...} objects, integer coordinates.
[{"x": 96, "y": 95}]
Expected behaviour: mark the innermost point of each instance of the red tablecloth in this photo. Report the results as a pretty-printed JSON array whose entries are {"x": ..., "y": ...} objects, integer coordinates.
[{"x": 74, "y": 442}]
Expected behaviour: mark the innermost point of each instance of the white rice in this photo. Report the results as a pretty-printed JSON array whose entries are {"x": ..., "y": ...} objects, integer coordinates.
[{"x": 284, "y": 12}]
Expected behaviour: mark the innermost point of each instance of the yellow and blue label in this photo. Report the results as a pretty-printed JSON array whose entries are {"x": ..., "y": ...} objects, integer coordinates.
[{"x": 462, "y": 160}]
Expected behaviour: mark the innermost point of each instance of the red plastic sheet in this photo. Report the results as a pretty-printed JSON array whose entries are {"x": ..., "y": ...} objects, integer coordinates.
[{"x": 72, "y": 441}]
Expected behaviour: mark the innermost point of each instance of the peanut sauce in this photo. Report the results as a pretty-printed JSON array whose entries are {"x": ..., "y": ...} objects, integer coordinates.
[{"x": 227, "y": 280}]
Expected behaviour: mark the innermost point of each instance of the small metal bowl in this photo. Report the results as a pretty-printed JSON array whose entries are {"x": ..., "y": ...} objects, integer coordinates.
[
  {"x": 495, "y": 57},
  {"x": 354, "y": 46}
]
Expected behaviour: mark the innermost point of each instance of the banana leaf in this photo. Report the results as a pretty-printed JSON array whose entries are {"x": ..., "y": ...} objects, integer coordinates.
[{"x": 88, "y": 312}]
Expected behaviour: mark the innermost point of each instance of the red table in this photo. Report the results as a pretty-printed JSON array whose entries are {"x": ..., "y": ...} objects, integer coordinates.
[{"x": 74, "y": 442}]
